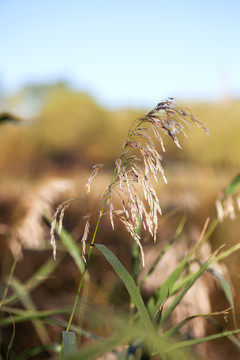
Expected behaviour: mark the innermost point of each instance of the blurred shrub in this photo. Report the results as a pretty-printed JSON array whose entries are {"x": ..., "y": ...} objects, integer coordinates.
[
  {"x": 222, "y": 146},
  {"x": 69, "y": 125}
]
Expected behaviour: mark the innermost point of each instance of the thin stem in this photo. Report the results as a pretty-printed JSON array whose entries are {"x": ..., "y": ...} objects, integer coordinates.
[
  {"x": 86, "y": 264},
  {"x": 135, "y": 252},
  {"x": 10, "y": 277},
  {"x": 93, "y": 239},
  {"x": 83, "y": 274}
]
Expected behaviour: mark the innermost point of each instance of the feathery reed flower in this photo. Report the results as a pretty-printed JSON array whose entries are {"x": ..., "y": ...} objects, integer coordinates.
[
  {"x": 131, "y": 178},
  {"x": 59, "y": 213},
  {"x": 94, "y": 173},
  {"x": 84, "y": 238}
]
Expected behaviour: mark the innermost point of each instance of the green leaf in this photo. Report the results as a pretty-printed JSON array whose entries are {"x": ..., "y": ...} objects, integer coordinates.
[
  {"x": 36, "y": 279},
  {"x": 164, "y": 290},
  {"x": 26, "y": 315},
  {"x": 171, "y": 332},
  {"x": 188, "y": 343},
  {"x": 129, "y": 283},
  {"x": 222, "y": 255},
  {"x": 226, "y": 286},
  {"x": 11, "y": 340},
  {"x": 32, "y": 353},
  {"x": 6, "y": 117},
  {"x": 192, "y": 280},
  {"x": 180, "y": 284},
  {"x": 227, "y": 289},
  {"x": 233, "y": 187},
  {"x": 76, "y": 328},
  {"x": 122, "y": 336},
  {"x": 73, "y": 249},
  {"x": 226, "y": 253},
  {"x": 9, "y": 280},
  {"x": 69, "y": 342},
  {"x": 136, "y": 297},
  {"x": 27, "y": 302}
]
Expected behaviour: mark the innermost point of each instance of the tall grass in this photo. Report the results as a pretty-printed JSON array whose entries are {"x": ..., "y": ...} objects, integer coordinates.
[
  {"x": 147, "y": 330},
  {"x": 140, "y": 206}
]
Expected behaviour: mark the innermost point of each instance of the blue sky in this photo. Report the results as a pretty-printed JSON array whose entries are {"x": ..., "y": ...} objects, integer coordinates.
[{"x": 124, "y": 52}]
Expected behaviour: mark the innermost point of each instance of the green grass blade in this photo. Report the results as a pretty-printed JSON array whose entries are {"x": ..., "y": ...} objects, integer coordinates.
[
  {"x": 171, "y": 332},
  {"x": 188, "y": 343},
  {"x": 54, "y": 321},
  {"x": 163, "y": 292},
  {"x": 135, "y": 295},
  {"x": 177, "y": 287},
  {"x": 233, "y": 186},
  {"x": 9, "y": 280},
  {"x": 122, "y": 336},
  {"x": 165, "y": 289},
  {"x": 163, "y": 252},
  {"x": 129, "y": 283},
  {"x": 226, "y": 253},
  {"x": 192, "y": 280},
  {"x": 72, "y": 248},
  {"x": 220, "y": 328},
  {"x": 227, "y": 289},
  {"x": 31, "y": 315},
  {"x": 77, "y": 329},
  {"x": 36, "y": 279},
  {"x": 27, "y": 302},
  {"x": 12, "y": 339},
  {"x": 69, "y": 342},
  {"x": 225, "y": 284},
  {"x": 31, "y": 353}
]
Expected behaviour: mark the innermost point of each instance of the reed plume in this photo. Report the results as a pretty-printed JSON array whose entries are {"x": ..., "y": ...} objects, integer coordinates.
[{"x": 138, "y": 160}]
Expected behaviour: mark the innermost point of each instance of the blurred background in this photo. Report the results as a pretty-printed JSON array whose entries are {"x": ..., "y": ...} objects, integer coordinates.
[{"x": 73, "y": 77}]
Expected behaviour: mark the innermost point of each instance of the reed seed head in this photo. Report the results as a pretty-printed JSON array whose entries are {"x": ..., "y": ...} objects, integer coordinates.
[
  {"x": 59, "y": 213},
  {"x": 94, "y": 173},
  {"x": 131, "y": 180},
  {"x": 84, "y": 239}
]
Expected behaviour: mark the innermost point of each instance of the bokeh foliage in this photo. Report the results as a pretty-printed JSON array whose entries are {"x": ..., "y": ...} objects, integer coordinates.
[{"x": 69, "y": 124}]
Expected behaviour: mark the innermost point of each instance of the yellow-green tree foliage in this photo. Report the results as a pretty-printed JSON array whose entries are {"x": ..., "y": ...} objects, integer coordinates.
[{"x": 69, "y": 123}]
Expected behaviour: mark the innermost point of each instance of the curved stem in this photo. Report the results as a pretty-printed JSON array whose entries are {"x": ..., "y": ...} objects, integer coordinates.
[
  {"x": 92, "y": 243},
  {"x": 86, "y": 264}
]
